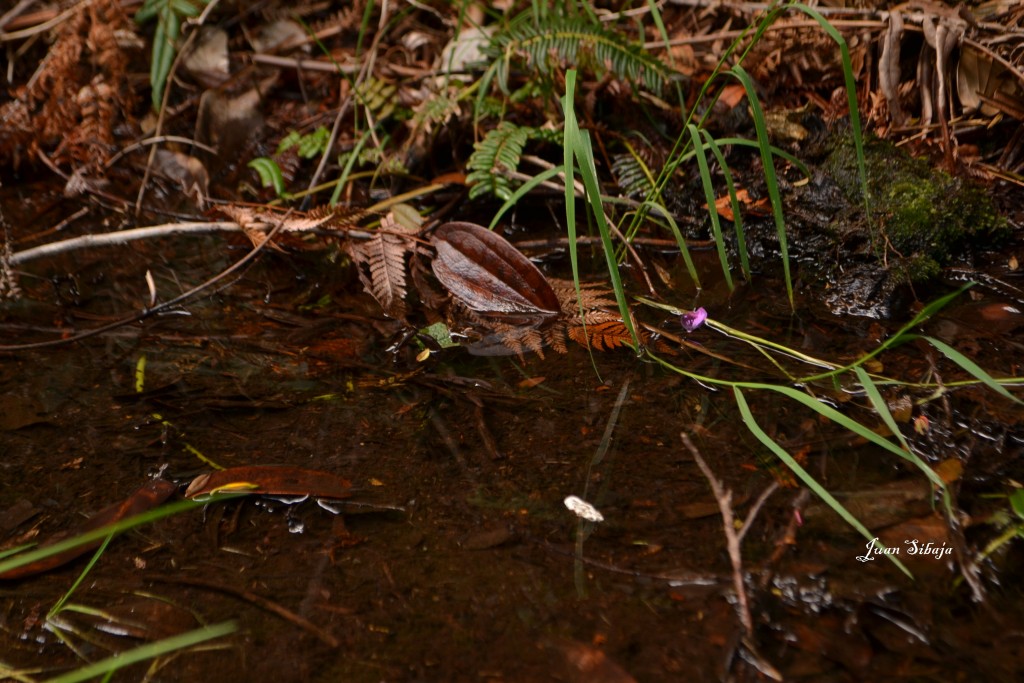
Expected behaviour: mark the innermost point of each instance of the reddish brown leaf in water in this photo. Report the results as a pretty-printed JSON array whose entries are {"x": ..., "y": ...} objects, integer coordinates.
[
  {"x": 488, "y": 275},
  {"x": 271, "y": 480},
  {"x": 146, "y": 498}
]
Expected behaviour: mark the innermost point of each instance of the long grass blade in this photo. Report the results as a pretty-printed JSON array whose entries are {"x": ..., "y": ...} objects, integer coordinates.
[
  {"x": 678, "y": 235},
  {"x": 734, "y": 203},
  {"x": 569, "y": 133},
  {"x": 525, "y": 189},
  {"x": 970, "y": 366},
  {"x": 880, "y": 406},
  {"x": 96, "y": 534},
  {"x": 902, "y": 335},
  {"x": 709, "y": 198},
  {"x": 805, "y": 477},
  {"x": 146, "y": 652},
  {"x": 848, "y": 423},
  {"x": 59, "y": 605},
  {"x": 578, "y": 147},
  {"x": 850, "y": 83},
  {"x": 771, "y": 180}
]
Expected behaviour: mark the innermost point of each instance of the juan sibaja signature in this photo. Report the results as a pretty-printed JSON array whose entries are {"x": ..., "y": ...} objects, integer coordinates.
[{"x": 914, "y": 547}]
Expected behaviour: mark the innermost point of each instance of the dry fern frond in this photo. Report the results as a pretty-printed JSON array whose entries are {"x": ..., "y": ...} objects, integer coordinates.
[
  {"x": 81, "y": 90},
  {"x": 17, "y": 135},
  {"x": 500, "y": 338},
  {"x": 592, "y": 295},
  {"x": 380, "y": 262},
  {"x": 255, "y": 222},
  {"x": 603, "y": 336}
]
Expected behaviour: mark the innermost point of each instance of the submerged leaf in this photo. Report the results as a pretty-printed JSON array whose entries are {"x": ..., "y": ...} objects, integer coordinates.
[
  {"x": 146, "y": 498},
  {"x": 272, "y": 480}
]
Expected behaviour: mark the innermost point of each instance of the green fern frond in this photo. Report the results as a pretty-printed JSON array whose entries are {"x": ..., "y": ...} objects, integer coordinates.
[
  {"x": 378, "y": 96},
  {"x": 632, "y": 175},
  {"x": 492, "y": 159},
  {"x": 578, "y": 41}
]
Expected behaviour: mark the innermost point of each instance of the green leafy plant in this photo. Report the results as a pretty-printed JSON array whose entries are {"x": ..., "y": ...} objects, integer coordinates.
[
  {"x": 683, "y": 148},
  {"x": 856, "y": 377},
  {"x": 168, "y": 15},
  {"x": 270, "y": 174},
  {"x": 696, "y": 143},
  {"x": 494, "y": 157},
  {"x": 580, "y": 40},
  {"x": 309, "y": 145},
  {"x": 1011, "y": 525}
]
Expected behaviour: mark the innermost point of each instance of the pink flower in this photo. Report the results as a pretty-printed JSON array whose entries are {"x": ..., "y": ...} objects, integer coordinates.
[{"x": 693, "y": 319}]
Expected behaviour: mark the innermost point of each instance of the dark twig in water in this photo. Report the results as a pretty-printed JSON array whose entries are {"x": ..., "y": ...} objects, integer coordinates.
[
  {"x": 255, "y": 599},
  {"x": 787, "y": 538}
]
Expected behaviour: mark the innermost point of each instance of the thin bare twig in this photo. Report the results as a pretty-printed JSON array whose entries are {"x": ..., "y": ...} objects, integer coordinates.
[
  {"x": 756, "y": 508},
  {"x": 255, "y": 599},
  {"x": 732, "y": 540},
  {"x": 147, "y": 312}
]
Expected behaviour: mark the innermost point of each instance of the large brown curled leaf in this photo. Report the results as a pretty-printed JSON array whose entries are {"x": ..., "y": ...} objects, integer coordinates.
[{"x": 488, "y": 275}]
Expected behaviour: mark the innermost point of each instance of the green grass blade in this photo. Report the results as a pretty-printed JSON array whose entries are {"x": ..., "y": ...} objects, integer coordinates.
[
  {"x": 577, "y": 145},
  {"x": 737, "y": 216},
  {"x": 807, "y": 479},
  {"x": 901, "y": 336},
  {"x": 353, "y": 159},
  {"x": 677, "y": 233},
  {"x": 851, "y": 95},
  {"x": 526, "y": 188},
  {"x": 97, "y": 534},
  {"x": 970, "y": 366},
  {"x": 776, "y": 151},
  {"x": 771, "y": 180},
  {"x": 880, "y": 406},
  {"x": 569, "y": 133},
  {"x": 59, "y": 605},
  {"x": 709, "y": 197},
  {"x": 146, "y": 652},
  {"x": 846, "y": 422}
]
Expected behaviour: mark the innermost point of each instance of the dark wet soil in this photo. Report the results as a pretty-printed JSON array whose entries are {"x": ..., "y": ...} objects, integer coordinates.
[{"x": 479, "y": 575}]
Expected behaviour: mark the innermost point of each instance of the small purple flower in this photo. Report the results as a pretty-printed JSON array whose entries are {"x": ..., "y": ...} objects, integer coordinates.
[{"x": 693, "y": 319}]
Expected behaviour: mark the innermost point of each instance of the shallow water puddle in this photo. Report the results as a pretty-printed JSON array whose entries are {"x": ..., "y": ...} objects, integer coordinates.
[{"x": 481, "y": 574}]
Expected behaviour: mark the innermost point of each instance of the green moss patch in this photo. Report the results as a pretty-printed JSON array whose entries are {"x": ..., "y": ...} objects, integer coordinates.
[{"x": 920, "y": 218}]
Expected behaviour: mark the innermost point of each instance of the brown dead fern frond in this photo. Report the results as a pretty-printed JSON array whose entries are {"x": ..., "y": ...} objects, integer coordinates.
[
  {"x": 591, "y": 296},
  {"x": 80, "y": 92},
  {"x": 602, "y": 336},
  {"x": 381, "y": 263}
]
